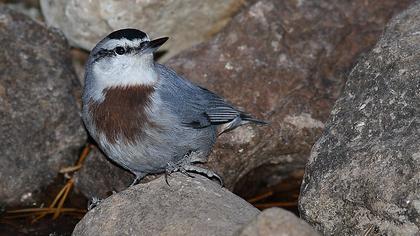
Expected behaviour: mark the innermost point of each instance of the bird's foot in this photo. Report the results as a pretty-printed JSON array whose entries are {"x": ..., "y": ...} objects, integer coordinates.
[
  {"x": 185, "y": 166},
  {"x": 172, "y": 167},
  {"x": 136, "y": 180},
  {"x": 203, "y": 171},
  {"x": 93, "y": 202},
  {"x": 194, "y": 157}
]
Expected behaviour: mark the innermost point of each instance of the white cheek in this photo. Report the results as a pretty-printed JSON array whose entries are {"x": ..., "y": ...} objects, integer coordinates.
[
  {"x": 124, "y": 71},
  {"x": 103, "y": 68},
  {"x": 105, "y": 72}
]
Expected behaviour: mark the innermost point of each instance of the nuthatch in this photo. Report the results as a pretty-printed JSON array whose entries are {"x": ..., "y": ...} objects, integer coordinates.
[{"x": 144, "y": 116}]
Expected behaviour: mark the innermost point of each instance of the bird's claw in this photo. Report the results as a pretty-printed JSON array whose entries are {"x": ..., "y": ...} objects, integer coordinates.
[
  {"x": 136, "y": 180},
  {"x": 172, "y": 167},
  {"x": 93, "y": 202},
  {"x": 185, "y": 168},
  {"x": 167, "y": 173},
  {"x": 200, "y": 170}
]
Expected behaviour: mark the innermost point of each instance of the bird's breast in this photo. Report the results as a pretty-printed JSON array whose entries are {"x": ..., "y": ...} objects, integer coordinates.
[{"x": 122, "y": 115}]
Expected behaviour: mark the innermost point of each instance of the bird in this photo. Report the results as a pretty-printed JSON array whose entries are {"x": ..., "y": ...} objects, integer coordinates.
[{"x": 144, "y": 116}]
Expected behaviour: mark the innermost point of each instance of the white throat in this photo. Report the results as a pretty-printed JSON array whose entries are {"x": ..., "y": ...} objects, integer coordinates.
[{"x": 122, "y": 71}]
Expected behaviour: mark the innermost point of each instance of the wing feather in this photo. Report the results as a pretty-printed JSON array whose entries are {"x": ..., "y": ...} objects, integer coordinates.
[{"x": 196, "y": 106}]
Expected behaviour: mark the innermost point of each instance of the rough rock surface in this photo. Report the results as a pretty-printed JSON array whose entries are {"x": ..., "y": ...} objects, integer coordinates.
[
  {"x": 40, "y": 126},
  {"x": 277, "y": 222},
  {"x": 186, "y": 22},
  {"x": 364, "y": 172},
  {"x": 188, "y": 206},
  {"x": 285, "y": 62},
  {"x": 30, "y": 8}
]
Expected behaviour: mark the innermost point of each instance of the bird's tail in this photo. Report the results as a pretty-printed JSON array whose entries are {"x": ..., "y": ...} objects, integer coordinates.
[
  {"x": 238, "y": 121},
  {"x": 246, "y": 117}
]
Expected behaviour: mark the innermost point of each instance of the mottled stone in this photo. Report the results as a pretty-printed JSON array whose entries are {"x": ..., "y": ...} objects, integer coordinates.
[
  {"x": 277, "y": 222},
  {"x": 30, "y": 8},
  {"x": 285, "y": 62},
  {"x": 40, "y": 126},
  {"x": 187, "y": 23},
  {"x": 364, "y": 171},
  {"x": 188, "y": 206}
]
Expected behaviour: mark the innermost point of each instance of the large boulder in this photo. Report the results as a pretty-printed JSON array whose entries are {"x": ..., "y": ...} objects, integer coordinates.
[
  {"x": 40, "y": 126},
  {"x": 276, "y": 221},
  {"x": 186, "y": 22},
  {"x": 364, "y": 172},
  {"x": 285, "y": 62},
  {"x": 187, "y": 206}
]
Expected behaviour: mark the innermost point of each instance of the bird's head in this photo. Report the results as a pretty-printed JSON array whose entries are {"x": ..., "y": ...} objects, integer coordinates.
[{"x": 123, "y": 58}]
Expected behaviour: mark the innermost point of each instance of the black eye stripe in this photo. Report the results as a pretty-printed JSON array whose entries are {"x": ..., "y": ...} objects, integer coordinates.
[
  {"x": 113, "y": 52},
  {"x": 103, "y": 53},
  {"x": 128, "y": 49}
]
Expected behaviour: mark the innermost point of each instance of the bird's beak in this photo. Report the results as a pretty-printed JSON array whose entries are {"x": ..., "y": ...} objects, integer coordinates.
[{"x": 155, "y": 44}]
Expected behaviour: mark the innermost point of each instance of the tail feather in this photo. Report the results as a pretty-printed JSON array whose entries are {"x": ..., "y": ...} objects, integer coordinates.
[
  {"x": 249, "y": 118},
  {"x": 238, "y": 121}
]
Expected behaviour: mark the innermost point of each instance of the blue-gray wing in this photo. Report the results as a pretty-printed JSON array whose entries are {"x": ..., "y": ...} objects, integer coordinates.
[{"x": 197, "y": 106}]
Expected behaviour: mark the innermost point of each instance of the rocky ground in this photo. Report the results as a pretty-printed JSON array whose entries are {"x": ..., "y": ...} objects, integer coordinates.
[{"x": 286, "y": 62}]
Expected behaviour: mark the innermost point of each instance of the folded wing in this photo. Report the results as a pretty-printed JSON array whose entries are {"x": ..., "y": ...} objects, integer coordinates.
[{"x": 199, "y": 107}]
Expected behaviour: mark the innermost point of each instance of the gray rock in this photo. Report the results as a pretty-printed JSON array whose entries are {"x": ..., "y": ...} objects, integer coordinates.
[
  {"x": 285, "y": 62},
  {"x": 364, "y": 172},
  {"x": 30, "y": 8},
  {"x": 186, "y": 22},
  {"x": 189, "y": 206},
  {"x": 277, "y": 222},
  {"x": 40, "y": 126}
]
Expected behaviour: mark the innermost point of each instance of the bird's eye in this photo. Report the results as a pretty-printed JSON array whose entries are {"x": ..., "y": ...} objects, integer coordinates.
[{"x": 120, "y": 50}]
